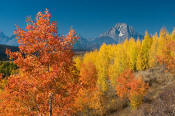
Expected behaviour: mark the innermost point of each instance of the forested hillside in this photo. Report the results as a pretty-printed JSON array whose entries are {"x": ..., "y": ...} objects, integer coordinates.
[
  {"x": 3, "y": 48},
  {"x": 118, "y": 71}
]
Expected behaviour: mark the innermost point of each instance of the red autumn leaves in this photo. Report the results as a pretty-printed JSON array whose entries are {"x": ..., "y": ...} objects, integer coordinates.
[{"x": 128, "y": 86}]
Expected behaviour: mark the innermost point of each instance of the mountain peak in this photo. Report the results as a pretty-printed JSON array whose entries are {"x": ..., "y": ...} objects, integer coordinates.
[
  {"x": 120, "y": 25},
  {"x": 120, "y": 31},
  {"x": 116, "y": 34}
]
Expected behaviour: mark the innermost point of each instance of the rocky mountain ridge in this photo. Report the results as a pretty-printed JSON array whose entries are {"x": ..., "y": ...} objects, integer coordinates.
[{"x": 116, "y": 34}]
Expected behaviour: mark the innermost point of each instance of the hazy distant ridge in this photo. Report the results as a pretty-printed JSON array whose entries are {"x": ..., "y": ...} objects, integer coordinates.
[{"x": 116, "y": 34}]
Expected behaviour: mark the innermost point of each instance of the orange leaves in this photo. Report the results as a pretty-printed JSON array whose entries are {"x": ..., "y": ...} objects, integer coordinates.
[
  {"x": 70, "y": 39},
  {"x": 131, "y": 87},
  {"x": 45, "y": 67},
  {"x": 87, "y": 93},
  {"x": 137, "y": 86},
  {"x": 123, "y": 82},
  {"x": 88, "y": 75},
  {"x": 168, "y": 56}
]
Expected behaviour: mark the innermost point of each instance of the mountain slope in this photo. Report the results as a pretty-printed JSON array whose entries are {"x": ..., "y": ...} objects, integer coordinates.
[
  {"x": 120, "y": 32},
  {"x": 3, "y": 56},
  {"x": 8, "y": 40},
  {"x": 81, "y": 44},
  {"x": 116, "y": 34}
]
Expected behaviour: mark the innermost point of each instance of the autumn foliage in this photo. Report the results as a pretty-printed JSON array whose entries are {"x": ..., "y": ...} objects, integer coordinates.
[
  {"x": 51, "y": 81},
  {"x": 86, "y": 95},
  {"x": 45, "y": 84},
  {"x": 168, "y": 56},
  {"x": 128, "y": 86}
]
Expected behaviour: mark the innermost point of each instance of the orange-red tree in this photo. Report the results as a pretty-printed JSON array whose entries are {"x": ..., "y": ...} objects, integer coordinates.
[
  {"x": 46, "y": 83},
  {"x": 128, "y": 86}
]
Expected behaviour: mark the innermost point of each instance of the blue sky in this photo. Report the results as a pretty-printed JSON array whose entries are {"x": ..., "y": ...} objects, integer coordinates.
[{"x": 91, "y": 17}]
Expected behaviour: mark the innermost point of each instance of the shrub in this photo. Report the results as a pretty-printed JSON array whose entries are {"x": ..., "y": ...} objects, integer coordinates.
[
  {"x": 128, "y": 86},
  {"x": 7, "y": 68}
]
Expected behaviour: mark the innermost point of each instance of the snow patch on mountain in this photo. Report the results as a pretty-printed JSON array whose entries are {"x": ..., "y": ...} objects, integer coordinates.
[{"x": 120, "y": 32}]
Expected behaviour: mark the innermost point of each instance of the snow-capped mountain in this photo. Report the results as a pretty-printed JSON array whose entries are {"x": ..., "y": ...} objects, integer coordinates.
[
  {"x": 116, "y": 34},
  {"x": 120, "y": 32}
]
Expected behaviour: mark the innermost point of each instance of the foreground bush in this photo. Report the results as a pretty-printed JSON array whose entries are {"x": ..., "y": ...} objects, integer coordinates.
[
  {"x": 128, "y": 86},
  {"x": 7, "y": 68}
]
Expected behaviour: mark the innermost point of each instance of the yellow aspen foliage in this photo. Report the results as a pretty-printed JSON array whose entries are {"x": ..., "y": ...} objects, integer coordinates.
[
  {"x": 110, "y": 50},
  {"x": 173, "y": 35},
  {"x": 90, "y": 57},
  {"x": 153, "y": 51},
  {"x": 162, "y": 41},
  {"x": 77, "y": 60},
  {"x": 139, "y": 65},
  {"x": 123, "y": 57},
  {"x": 138, "y": 59},
  {"x": 3, "y": 82},
  {"x": 88, "y": 79},
  {"x": 112, "y": 60},
  {"x": 164, "y": 33},
  {"x": 143, "y": 56},
  {"x": 114, "y": 68},
  {"x": 102, "y": 65},
  {"x": 138, "y": 45},
  {"x": 132, "y": 54}
]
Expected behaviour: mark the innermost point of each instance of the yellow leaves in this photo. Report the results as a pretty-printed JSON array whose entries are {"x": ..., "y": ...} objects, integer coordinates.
[
  {"x": 153, "y": 51},
  {"x": 112, "y": 60},
  {"x": 95, "y": 101},
  {"x": 132, "y": 54},
  {"x": 135, "y": 100},
  {"x": 173, "y": 35},
  {"x": 3, "y": 82},
  {"x": 78, "y": 62},
  {"x": 139, "y": 63},
  {"x": 81, "y": 100},
  {"x": 88, "y": 100},
  {"x": 102, "y": 64},
  {"x": 143, "y": 53},
  {"x": 88, "y": 95},
  {"x": 90, "y": 57}
]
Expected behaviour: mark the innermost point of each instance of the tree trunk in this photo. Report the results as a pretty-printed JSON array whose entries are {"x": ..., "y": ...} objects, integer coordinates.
[{"x": 50, "y": 104}]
